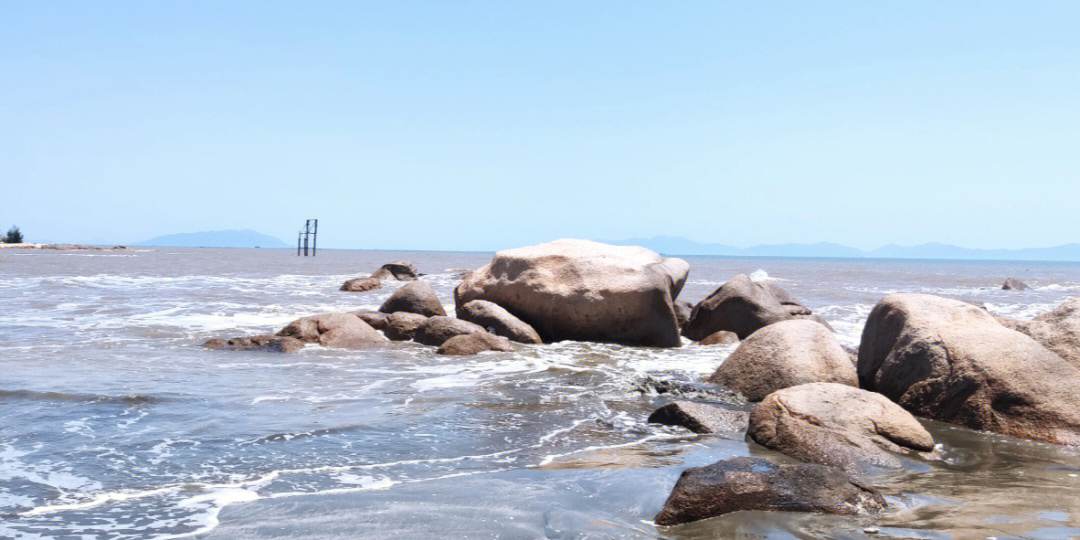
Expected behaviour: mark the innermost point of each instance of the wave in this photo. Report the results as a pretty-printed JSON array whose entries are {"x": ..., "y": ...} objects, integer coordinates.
[{"x": 133, "y": 399}]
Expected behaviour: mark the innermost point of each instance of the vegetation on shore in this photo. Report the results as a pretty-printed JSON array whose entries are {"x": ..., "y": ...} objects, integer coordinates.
[{"x": 13, "y": 236}]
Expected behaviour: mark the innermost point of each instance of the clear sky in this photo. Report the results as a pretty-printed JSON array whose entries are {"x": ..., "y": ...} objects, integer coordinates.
[{"x": 450, "y": 125}]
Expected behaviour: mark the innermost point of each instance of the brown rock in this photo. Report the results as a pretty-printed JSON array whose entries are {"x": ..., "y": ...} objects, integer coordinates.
[
  {"x": 699, "y": 418},
  {"x": 745, "y": 483},
  {"x": 343, "y": 330},
  {"x": 740, "y": 306},
  {"x": 723, "y": 337},
  {"x": 436, "y": 330},
  {"x": 498, "y": 321},
  {"x": 399, "y": 270},
  {"x": 837, "y": 425},
  {"x": 376, "y": 319},
  {"x": 1013, "y": 284},
  {"x": 401, "y": 326},
  {"x": 361, "y": 284},
  {"x": 475, "y": 343},
  {"x": 414, "y": 297},
  {"x": 953, "y": 362},
  {"x": 582, "y": 290},
  {"x": 1057, "y": 330},
  {"x": 268, "y": 343},
  {"x": 785, "y": 354}
]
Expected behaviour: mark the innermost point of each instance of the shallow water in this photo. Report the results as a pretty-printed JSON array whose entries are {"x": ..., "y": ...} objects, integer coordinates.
[{"x": 115, "y": 423}]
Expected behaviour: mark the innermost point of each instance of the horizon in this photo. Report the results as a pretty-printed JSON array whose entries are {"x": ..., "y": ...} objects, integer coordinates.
[{"x": 483, "y": 126}]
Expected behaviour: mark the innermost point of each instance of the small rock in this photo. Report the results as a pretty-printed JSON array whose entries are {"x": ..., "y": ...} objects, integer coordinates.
[
  {"x": 399, "y": 270},
  {"x": 376, "y": 319},
  {"x": 361, "y": 284},
  {"x": 498, "y": 321},
  {"x": 401, "y": 326},
  {"x": 723, "y": 337},
  {"x": 475, "y": 343},
  {"x": 437, "y": 330},
  {"x": 699, "y": 418},
  {"x": 414, "y": 297},
  {"x": 257, "y": 343},
  {"x": 1013, "y": 284}
]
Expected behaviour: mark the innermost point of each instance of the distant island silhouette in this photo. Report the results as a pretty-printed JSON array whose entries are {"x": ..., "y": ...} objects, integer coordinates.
[
  {"x": 245, "y": 238},
  {"x": 674, "y": 245}
]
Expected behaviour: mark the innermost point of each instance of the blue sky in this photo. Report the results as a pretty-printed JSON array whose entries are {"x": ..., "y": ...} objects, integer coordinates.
[{"x": 449, "y": 125}]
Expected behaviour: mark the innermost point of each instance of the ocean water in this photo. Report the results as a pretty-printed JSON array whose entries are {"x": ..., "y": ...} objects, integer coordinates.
[{"x": 116, "y": 423}]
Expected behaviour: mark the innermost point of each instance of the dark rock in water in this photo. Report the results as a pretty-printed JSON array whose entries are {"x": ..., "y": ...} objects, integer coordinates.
[
  {"x": 414, "y": 297},
  {"x": 745, "y": 483},
  {"x": 399, "y": 270},
  {"x": 699, "y": 418},
  {"x": 837, "y": 425},
  {"x": 257, "y": 343},
  {"x": 402, "y": 325},
  {"x": 436, "y": 330},
  {"x": 361, "y": 284},
  {"x": 740, "y": 306},
  {"x": 1013, "y": 284},
  {"x": 683, "y": 308},
  {"x": 498, "y": 321},
  {"x": 341, "y": 330},
  {"x": 953, "y": 362},
  {"x": 376, "y": 319},
  {"x": 586, "y": 291},
  {"x": 1057, "y": 330},
  {"x": 723, "y": 337},
  {"x": 785, "y": 354},
  {"x": 475, "y": 343}
]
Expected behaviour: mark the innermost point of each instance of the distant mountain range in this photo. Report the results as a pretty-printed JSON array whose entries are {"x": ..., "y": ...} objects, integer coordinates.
[
  {"x": 246, "y": 238},
  {"x": 673, "y": 245}
]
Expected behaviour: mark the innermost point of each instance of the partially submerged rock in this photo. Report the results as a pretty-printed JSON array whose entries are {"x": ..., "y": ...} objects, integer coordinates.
[
  {"x": 745, "y": 483},
  {"x": 498, "y": 321},
  {"x": 402, "y": 325},
  {"x": 1013, "y": 284},
  {"x": 340, "y": 330},
  {"x": 376, "y": 319},
  {"x": 361, "y": 284},
  {"x": 399, "y": 270},
  {"x": 953, "y": 362},
  {"x": 740, "y": 306},
  {"x": 437, "y": 330},
  {"x": 268, "y": 343},
  {"x": 699, "y": 417},
  {"x": 475, "y": 343},
  {"x": 837, "y": 425},
  {"x": 582, "y": 290},
  {"x": 785, "y": 354},
  {"x": 722, "y": 337},
  {"x": 414, "y": 297},
  {"x": 1057, "y": 330}
]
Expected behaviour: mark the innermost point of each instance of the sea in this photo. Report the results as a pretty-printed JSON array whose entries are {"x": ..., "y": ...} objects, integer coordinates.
[{"x": 115, "y": 422}]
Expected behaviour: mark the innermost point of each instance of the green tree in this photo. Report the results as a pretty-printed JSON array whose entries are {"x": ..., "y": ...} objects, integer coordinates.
[{"x": 14, "y": 236}]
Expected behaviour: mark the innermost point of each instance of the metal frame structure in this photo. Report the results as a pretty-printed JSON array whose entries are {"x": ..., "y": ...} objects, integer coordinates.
[{"x": 310, "y": 231}]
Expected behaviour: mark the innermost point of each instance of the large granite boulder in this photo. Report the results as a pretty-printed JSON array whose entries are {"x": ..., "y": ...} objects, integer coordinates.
[
  {"x": 1057, "y": 330},
  {"x": 699, "y": 417},
  {"x": 740, "y": 306},
  {"x": 583, "y": 290},
  {"x": 475, "y": 343},
  {"x": 498, "y": 321},
  {"x": 339, "y": 330},
  {"x": 785, "y": 354},
  {"x": 838, "y": 425},
  {"x": 414, "y": 297},
  {"x": 745, "y": 483},
  {"x": 1013, "y": 284},
  {"x": 361, "y": 284},
  {"x": 950, "y": 361},
  {"x": 402, "y": 325},
  {"x": 436, "y": 330},
  {"x": 268, "y": 343},
  {"x": 399, "y": 270}
]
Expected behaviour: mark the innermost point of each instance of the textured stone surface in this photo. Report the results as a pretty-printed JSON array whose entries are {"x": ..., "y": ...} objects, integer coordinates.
[
  {"x": 498, "y": 321},
  {"x": 475, "y": 343},
  {"x": 699, "y": 417},
  {"x": 414, "y": 297}
]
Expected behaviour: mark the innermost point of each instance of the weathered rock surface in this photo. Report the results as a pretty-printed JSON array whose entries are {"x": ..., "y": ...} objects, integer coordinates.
[
  {"x": 414, "y": 297},
  {"x": 436, "y": 330},
  {"x": 257, "y": 343},
  {"x": 376, "y": 319},
  {"x": 837, "y": 425},
  {"x": 341, "y": 330},
  {"x": 1013, "y": 284},
  {"x": 399, "y": 270},
  {"x": 1057, "y": 330},
  {"x": 740, "y": 306},
  {"x": 683, "y": 308},
  {"x": 498, "y": 321},
  {"x": 723, "y": 337},
  {"x": 361, "y": 284},
  {"x": 582, "y": 290},
  {"x": 475, "y": 343},
  {"x": 953, "y": 362},
  {"x": 402, "y": 325},
  {"x": 785, "y": 354},
  {"x": 699, "y": 417},
  {"x": 745, "y": 483}
]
